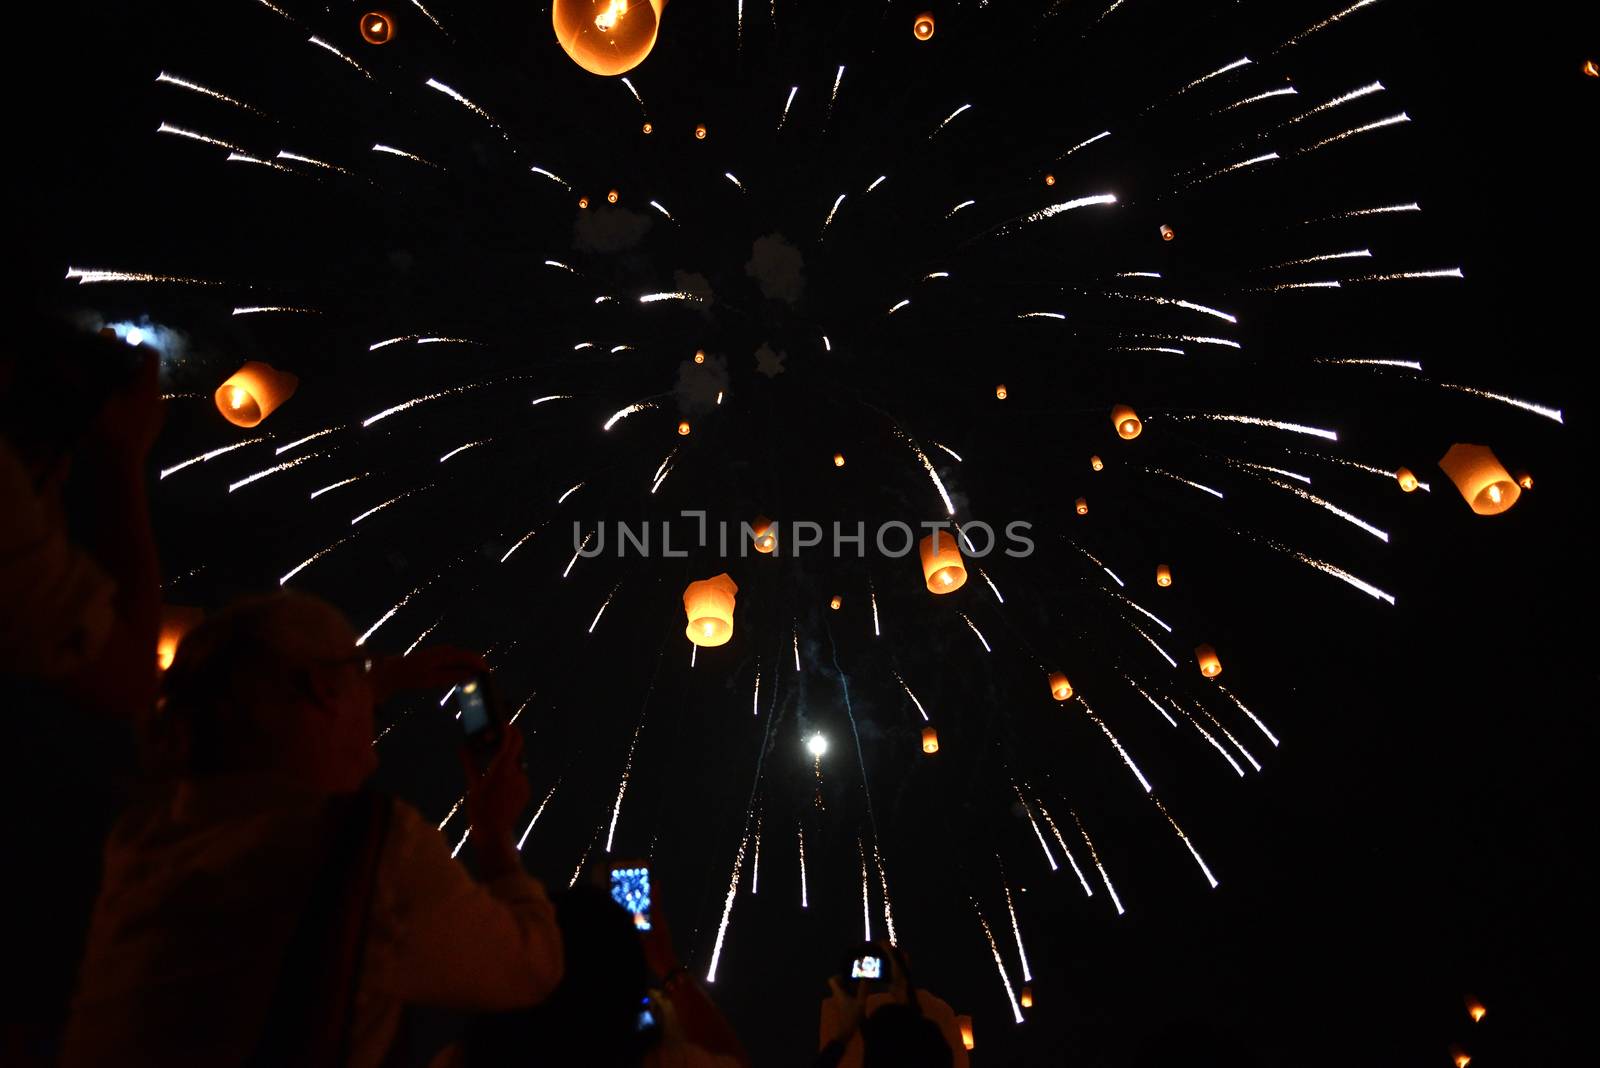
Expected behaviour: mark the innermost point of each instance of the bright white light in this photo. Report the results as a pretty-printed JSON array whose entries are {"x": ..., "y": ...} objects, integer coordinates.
[{"x": 816, "y": 745}]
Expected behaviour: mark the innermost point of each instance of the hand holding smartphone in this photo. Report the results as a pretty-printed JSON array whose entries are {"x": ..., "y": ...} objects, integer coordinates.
[{"x": 482, "y": 718}]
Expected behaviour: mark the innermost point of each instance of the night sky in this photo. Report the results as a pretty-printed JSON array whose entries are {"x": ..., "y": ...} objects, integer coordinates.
[{"x": 1420, "y": 832}]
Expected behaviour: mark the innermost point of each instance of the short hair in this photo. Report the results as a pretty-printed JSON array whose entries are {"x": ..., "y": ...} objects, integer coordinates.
[{"x": 229, "y": 673}]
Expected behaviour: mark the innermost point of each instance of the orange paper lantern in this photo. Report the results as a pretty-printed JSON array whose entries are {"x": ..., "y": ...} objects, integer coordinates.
[
  {"x": 942, "y": 566},
  {"x": 176, "y": 621},
  {"x": 683, "y": 429},
  {"x": 1082, "y": 506},
  {"x": 708, "y": 604},
  {"x": 1000, "y": 392},
  {"x": 1167, "y": 233},
  {"x": 613, "y": 196},
  {"x": 1025, "y": 999},
  {"x": 699, "y": 355},
  {"x": 838, "y": 459},
  {"x": 965, "y": 1024},
  {"x": 583, "y": 202},
  {"x": 1475, "y": 1009},
  {"x": 1163, "y": 575},
  {"x": 253, "y": 392},
  {"x": 607, "y": 37},
  {"x": 765, "y": 534},
  {"x": 836, "y": 603},
  {"x": 647, "y": 128},
  {"x": 1060, "y": 688},
  {"x": 1049, "y": 179},
  {"x": 1482, "y": 481},
  {"x": 1525, "y": 480},
  {"x": 930, "y": 740},
  {"x": 922, "y": 30},
  {"x": 700, "y": 132},
  {"x": 1206, "y": 657},
  {"x": 1096, "y": 463},
  {"x": 1407, "y": 480},
  {"x": 1126, "y": 420},
  {"x": 377, "y": 28}
]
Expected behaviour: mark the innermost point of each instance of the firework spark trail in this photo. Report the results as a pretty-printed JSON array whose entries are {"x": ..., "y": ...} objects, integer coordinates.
[
  {"x": 1153, "y": 644},
  {"x": 1287, "y": 90},
  {"x": 1083, "y": 144},
  {"x": 1061, "y": 316},
  {"x": 581, "y": 546},
  {"x": 911, "y": 695},
  {"x": 1354, "y": 254},
  {"x": 276, "y": 10},
  {"x": 1405, "y": 365},
  {"x": 1095, "y": 560},
  {"x": 729, "y": 176},
  {"x": 1016, "y": 1010},
  {"x": 623, "y": 413},
  {"x": 755, "y": 695},
  {"x": 596, "y": 622},
  {"x": 622, "y": 787},
  {"x": 1342, "y": 98},
  {"x": 833, "y": 97},
  {"x": 795, "y": 634},
  {"x": 1153, "y": 702},
  {"x": 1392, "y": 120},
  {"x": 281, "y": 449},
  {"x": 1262, "y": 727},
  {"x": 313, "y": 558},
  {"x": 320, "y": 43},
  {"x": 1209, "y": 737},
  {"x": 242, "y": 157},
  {"x": 1095, "y": 857},
  {"x": 727, "y": 911},
  {"x": 662, "y": 210},
  {"x": 295, "y": 157},
  {"x": 1307, "y": 495},
  {"x": 462, "y": 842},
  {"x": 183, "y": 83},
  {"x": 1016, "y": 929},
  {"x": 1138, "y": 274},
  {"x": 883, "y": 885},
  {"x": 787, "y": 104},
  {"x": 1157, "y": 620},
  {"x": 1053, "y": 210},
  {"x": 897, "y": 307},
  {"x": 1321, "y": 565},
  {"x": 992, "y": 587},
  {"x": 976, "y": 631},
  {"x": 390, "y": 614},
  {"x": 866, "y": 896},
  {"x": 434, "y": 83},
  {"x": 1527, "y": 406},
  {"x": 1246, "y": 465},
  {"x": 1115, "y": 744},
  {"x": 1399, "y": 276},
  {"x": 1187, "y": 482},
  {"x": 259, "y": 475},
  {"x": 1360, "y": 212},
  {"x": 584, "y": 859},
  {"x": 660, "y": 479},
  {"x": 801, "y": 832},
  {"x": 1341, "y": 461},
  {"x": 1198, "y": 339},
  {"x": 390, "y": 150},
  {"x": 554, "y": 177},
  {"x": 261, "y": 309},
  {"x": 1187, "y": 844},
  {"x": 1283, "y": 287},
  {"x": 1271, "y": 424},
  {"x": 203, "y": 457},
  {"x": 1027, "y": 808},
  {"x": 453, "y": 810},
  {"x": 406, "y": 406},
  {"x": 1325, "y": 23},
  {"x": 1244, "y": 61},
  {"x": 1148, "y": 348},
  {"x": 947, "y": 121},
  {"x": 635, "y": 93},
  {"x": 431, "y": 627},
  {"x": 519, "y": 543},
  {"x": 1088, "y": 891},
  {"x": 86, "y": 276},
  {"x": 336, "y": 485},
  {"x": 1265, "y": 158},
  {"x": 459, "y": 449},
  {"x": 537, "y": 813},
  {"x": 1175, "y": 303},
  {"x": 387, "y": 503},
  {"x": 1226, "y": 733},
  {"x": 831, "y": 213},
  {"x": 964, "y": 204},
  {"x": 429, "y": 16}
]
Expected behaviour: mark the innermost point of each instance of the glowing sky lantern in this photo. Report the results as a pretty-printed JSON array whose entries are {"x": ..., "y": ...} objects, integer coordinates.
[
  {"x": 1126, "y": 420},
  {"x": 1097, "y": 464},
  {"x": 176, "y": 621},
  {"x": 838, "y": 459},
  {"x": 1025, "y": 997},
  {"x": 1163, "y": 575},
  {"x": 377, "y": 28},
  {"x": 253, "y": 392},
  {"x": 1459, "y": 1057},
  {"x": 1049, "y": 179},
  {"x": 1000, "y": 392},
  {"x": 930, "y": 740},
  {"x": 836, "y": 602},
  {"x": 1475, "y": 1009},
  {"x": 708, "y": 604},
  {"x": 700, "y": 132},
  {"x": 1525, "y": 480},
  {"x": 942, "y": 566},
  {"x": 1167, "y": 232},
  {"x": 1081, "y": 506},
  {"x": 1591, "y": 68},
  {"x": 613, "y": 196},
  {"x": 965, "y": 1025},
  {"x": 700, "y": 356},
  {"x": 683, "y": 429},
  {"x": 1060, "y": 688},
  {"x": 583, "y": 202},
  {"x": 765, "y": 534},
  {"x": 1485, "y": 485},
  {"x": 647, "y": 128},
  {"x": 922, "y": 30},
  {"x": 607, "y": 37},
  {"x": 1206, "y": 657},
  {"x": 1407, "y": 480}
]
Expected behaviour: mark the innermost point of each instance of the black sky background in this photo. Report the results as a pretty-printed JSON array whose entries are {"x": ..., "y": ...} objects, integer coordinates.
[{"x": 1422, "y": 832}]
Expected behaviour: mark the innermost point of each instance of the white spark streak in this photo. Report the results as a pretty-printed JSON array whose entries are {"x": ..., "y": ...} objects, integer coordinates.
[
  {"x": 876, "y": 182},
  {"x": 755, "y": 696},
  {"x": 949, "y": 450},
  {"x": 1115, "y": 744},
  {"x": 831, "y": 213},
  {"x": 463, "y": 448},
  {"x": 1154, "y": 645},
  {"x": 800, "y": 831},
  {"x": 85, "y": 276},
  {"x": 1153, "y": 702},
  {"x": 911, "y": 695},
  {"x": 1016, "y": 1010},
  {"x": 897, "y": 307},
  {"x": 1235, "y": 65},
  {"x": 520, "y": 542},
  {"x": 1138, "y": 274},
  {"x": 462, "y": 842},
  {"x": 1176, "y": 303},
  {"x": 1392, "y": 120},
  {"x": 1360, "y": 212},
  {"x": 390, "y": 614},
  {"x": 993, "y": 588},
  {"x": 1354, "y": 254},
  {"x": 1142, "y": 610},
  {"x": 552, "y": 397},
  {"x": 203, "y": 457},
  {"x": 554, "y": 177},
  {"x": 1252, "y": 716},
  {"x": 621, "y": 414},
  {"x": 308, "y": 561},
  {"x": 1409, "y": 365},
  {"x": 935, "y": 274},
  {"x": 333, "y": 486},
  {"x": 866, "y": 896},
  {"x": 1264, "y": 467},
  {"x": 1016, "y": 929},
  {"x": 958, "y": 207},
  {"x": 403, "y": 154},
  {"x": 1095, "y": 857},
  {"x": 1287, "y": 90},
  {"x": 581, "y": 546},
  {"x": 729, "y": 176},
  {"x": 664, "y": 211},
  {"x": 537, "y": 813},
  {"x": 1343, "y": 98},
  {"x": 1068, "y": 205},
  {"x": 182, "y": 83},
  {"x": 1271, "y": 424},
  {"x": 976, "y": 631},
  {"x": 1083, "y": 144},
  {"x": 1234, "y": 764},
  {"x": 1148, "y": 348},
  {"x": 434, "y": 83},
  {"x": 413, "y": 402},
  {"x": 259, "y": 309},
  {"x": 1187, "y": 482},
  {"x": 945, "y": 123},
  {"x": 1043, "y": 315},
  {"x": 1324, "y": 24},
  {"x": 787, "y": 104},
  {"x": 320, "y": 43},
  {"x": 1307, "y": 495},
  {"x": 296, "y": 462},
  {"x": 833, "y": 98},
  {"x": 1397, "y": 276},
  {"x": 1527, "y": 406},
  {"x": 381, "y": 507},
  {"x": 795, "y": 634},
  {"x": 1027, "y": 808},
  {"x": 1088, "y": 891},
  {"x": 453, "y": 810},
  {"x": 632, "y": 90},
  {"x": 622, "y": 787},
  {"x": 727, "y": 912},
  {"x": 281, "y": 449}
]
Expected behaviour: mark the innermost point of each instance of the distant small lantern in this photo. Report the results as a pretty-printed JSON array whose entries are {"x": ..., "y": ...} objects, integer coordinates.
[
  {"x": 708, "y": 604},
  {"x": 922, "y": 30},
  {"x": 930, "y": 740},
  {"x": 377, "y": 28},
  {"x": 254, "y": 392},
  {"x": 1025, "y": 999},
  {"x": 1163, "y": 575},
  {"x": 1475, "y": 1009},
  {"x": 1049, "y": 179},
  {"x": 1206, "y": 657},
  {"x": 836, "y": 603},
  {"x": 176, "y": 621},
  {"x": 1060, "y": 688},
  {"x": 699, "y": 355},
  {"x": 942, "y": 567},
  {"x": 683, "y": 429},
  {"x": 1460, "y": 1057},
  {"x": 613, "y": 196},
  {"x": 965, "y": 1025},
  {"x": 583, "y": 202},
  {"x": 1482, "y": 481},
  {"x": 1407, "y": 480},
  {"x": 1096, "y": 463},
  {"x": 1525, "y": 480},
  {"x": 1591, "y": 68},
  {"x": 1126, "y": 420},
  {"x": 838, "y": 459},
  {"x": 1167, "y": 232},
  {"x": 765, "y": 534},
  {"x": 647, "y": 128},
  {"x": 1000, "y": 392},
  {"x": 700, "y": 132},
  {"x": 1082, "y": 506}
]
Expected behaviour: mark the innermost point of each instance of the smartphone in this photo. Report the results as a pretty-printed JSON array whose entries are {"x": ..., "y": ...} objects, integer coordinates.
[
  {"x": 481, "y": 718},
  {"x": 630, "y": 888},
  {"x": 867, "y": 967},
  {"x": 646, "y": 1020}
]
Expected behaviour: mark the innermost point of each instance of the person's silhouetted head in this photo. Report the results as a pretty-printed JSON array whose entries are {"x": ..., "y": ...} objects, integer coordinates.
[{"x": 898, "y": 1036}]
